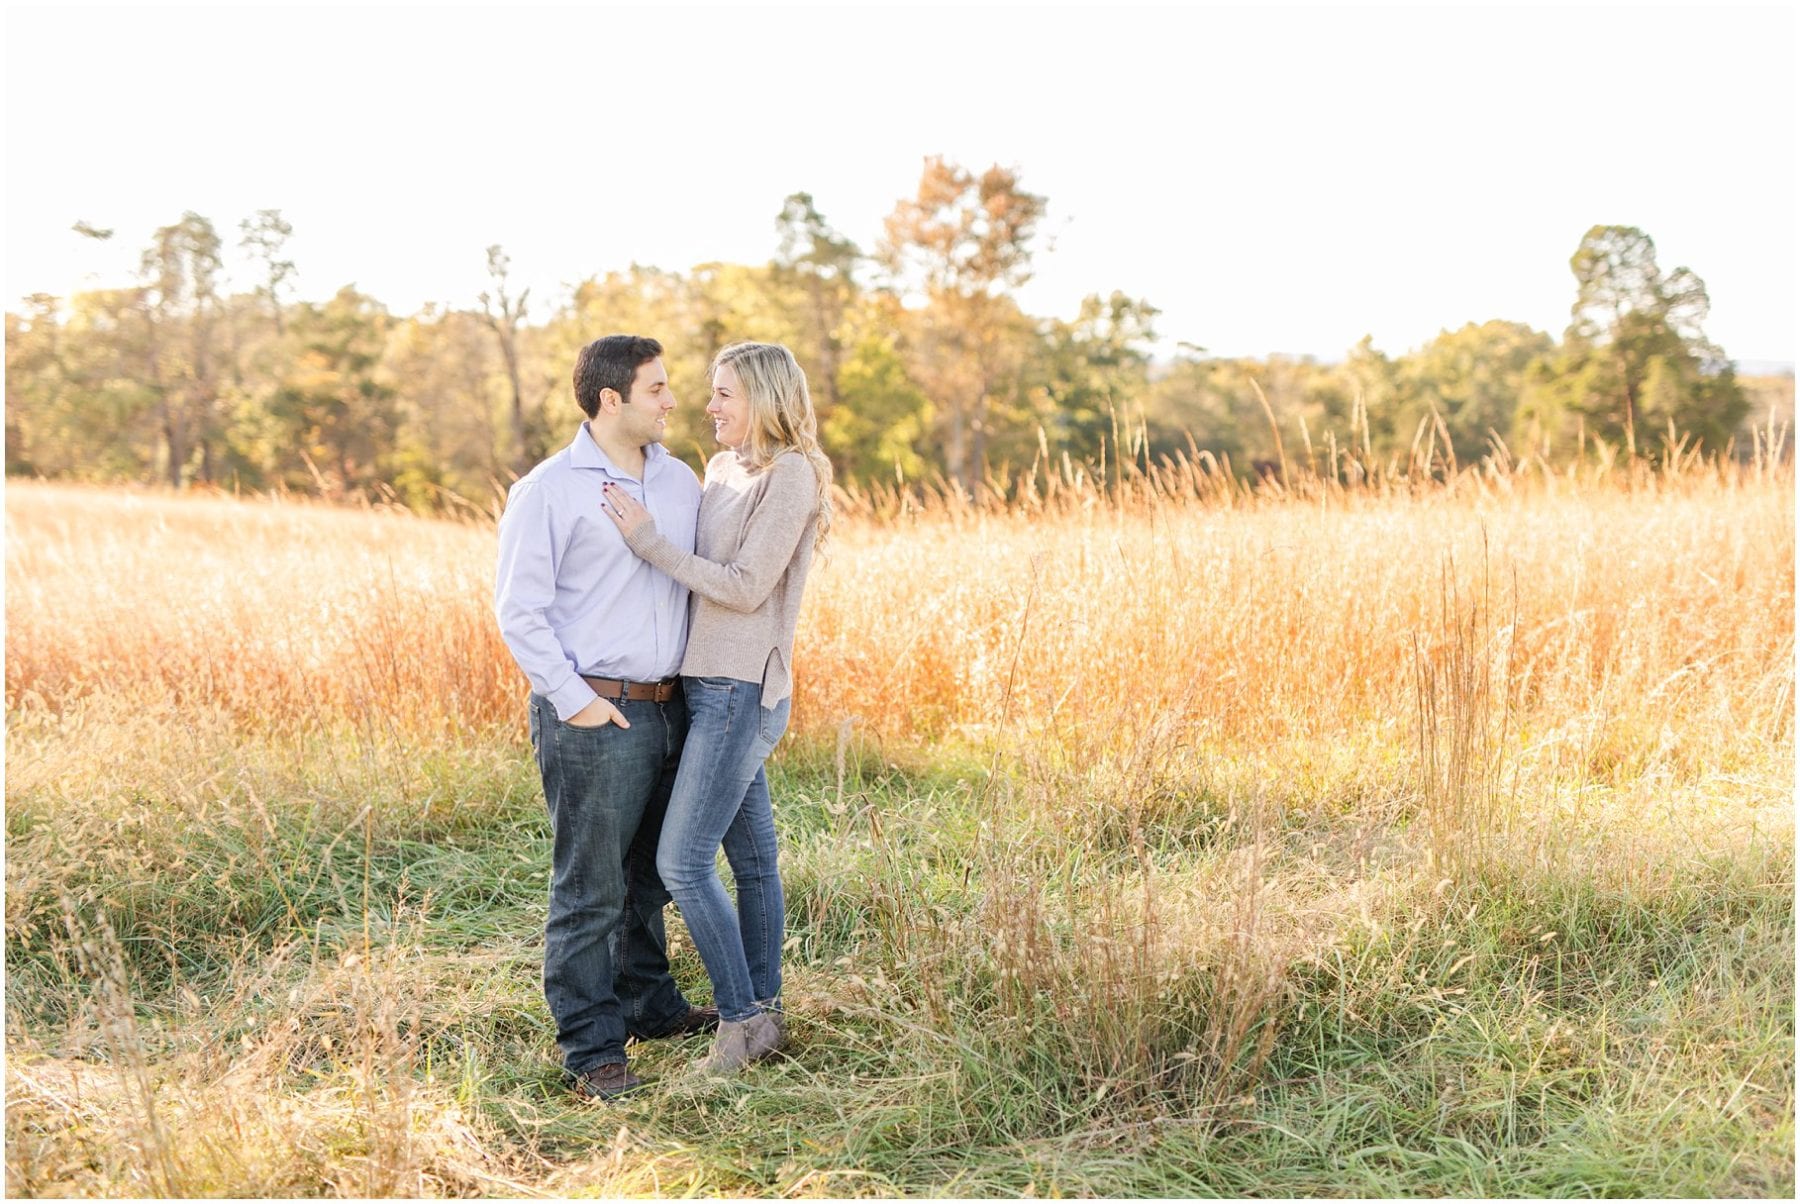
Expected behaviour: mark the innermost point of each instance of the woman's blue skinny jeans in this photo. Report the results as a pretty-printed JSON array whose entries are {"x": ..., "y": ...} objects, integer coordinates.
[{"x": 721, "y": 798}]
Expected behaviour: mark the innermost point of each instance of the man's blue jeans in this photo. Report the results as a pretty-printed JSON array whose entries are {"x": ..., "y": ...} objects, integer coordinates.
[
  {"x": 606, "y": 963},
  {"x": 722, "y": 798}
]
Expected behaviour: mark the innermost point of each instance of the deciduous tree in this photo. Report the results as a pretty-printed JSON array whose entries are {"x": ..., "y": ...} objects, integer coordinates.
[
  {"x": 264, "y": 236},
  {"x": 340, "y": 417},
  {"x": 1094, "y": 374},
  {"x": 1635, "y": 359},
  {"x": 181, "y": 302},
  {"x": 882, "y": 424},
  {"x": 961, "y": 242},
  {"x": 1473, "y": 377},
  {"x": 819, "y": 265}
]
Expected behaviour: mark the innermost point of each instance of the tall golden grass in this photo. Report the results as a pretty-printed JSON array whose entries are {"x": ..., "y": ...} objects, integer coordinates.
[{"x": 1247, "y": 617}]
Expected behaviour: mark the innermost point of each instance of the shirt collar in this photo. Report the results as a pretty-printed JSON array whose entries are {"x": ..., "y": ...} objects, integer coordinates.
[{"x": 585, "y": 452}]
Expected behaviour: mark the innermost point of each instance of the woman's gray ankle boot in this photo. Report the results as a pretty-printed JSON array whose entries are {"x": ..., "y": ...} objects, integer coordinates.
[{"x": 741, "y": 1042}]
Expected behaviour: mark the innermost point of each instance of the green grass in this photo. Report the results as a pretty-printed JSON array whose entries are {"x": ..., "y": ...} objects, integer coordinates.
[{"x": 1184, "y": 987}]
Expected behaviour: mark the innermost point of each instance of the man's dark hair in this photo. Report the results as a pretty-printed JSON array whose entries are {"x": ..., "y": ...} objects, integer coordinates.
[{"x": 610, "y": 363}]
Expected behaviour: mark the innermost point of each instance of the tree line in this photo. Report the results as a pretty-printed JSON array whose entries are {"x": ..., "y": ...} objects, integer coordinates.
[{"x": 923, "y": 365}]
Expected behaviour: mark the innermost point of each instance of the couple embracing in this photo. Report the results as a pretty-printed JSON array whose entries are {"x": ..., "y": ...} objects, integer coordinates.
[{"x": 655, "y": 622}]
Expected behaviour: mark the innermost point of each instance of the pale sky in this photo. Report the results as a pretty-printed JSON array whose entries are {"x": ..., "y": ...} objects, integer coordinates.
[{"x": 1276, "y": 179}]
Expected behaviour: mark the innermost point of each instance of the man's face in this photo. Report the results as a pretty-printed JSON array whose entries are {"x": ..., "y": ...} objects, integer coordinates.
[{"x": 646, "y": 414}]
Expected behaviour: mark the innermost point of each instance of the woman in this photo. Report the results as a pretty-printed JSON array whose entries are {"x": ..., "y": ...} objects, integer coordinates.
[{"x": 766, "y": 508}]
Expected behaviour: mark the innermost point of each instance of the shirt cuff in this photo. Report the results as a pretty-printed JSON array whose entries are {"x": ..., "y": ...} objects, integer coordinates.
[{"x": 572, "y": 697}]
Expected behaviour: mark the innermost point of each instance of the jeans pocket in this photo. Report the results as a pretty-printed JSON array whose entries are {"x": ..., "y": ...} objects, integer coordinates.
[
  {"x": 539, "y": 738},
  {"x": 712, "y": 703},
  {"x": 586, "y": 746},
  {"x": 772, "y": 721},
  {"x": 569, "y": 726}
]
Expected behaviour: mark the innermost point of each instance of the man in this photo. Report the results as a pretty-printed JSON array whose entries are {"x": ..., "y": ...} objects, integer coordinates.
[{"x": 600, "y": 634}]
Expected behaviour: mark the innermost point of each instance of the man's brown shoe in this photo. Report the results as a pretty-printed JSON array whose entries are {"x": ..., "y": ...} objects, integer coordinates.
[
  {"x": 697, "y": 1020},
  {"x": 606, "y": 1081}
]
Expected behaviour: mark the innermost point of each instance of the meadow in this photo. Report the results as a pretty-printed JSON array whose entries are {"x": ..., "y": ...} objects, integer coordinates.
[{"x": 1169, "y": 838}]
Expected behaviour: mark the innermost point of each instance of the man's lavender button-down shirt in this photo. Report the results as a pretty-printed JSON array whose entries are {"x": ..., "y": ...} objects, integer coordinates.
[{"x": 571, "y": 598}]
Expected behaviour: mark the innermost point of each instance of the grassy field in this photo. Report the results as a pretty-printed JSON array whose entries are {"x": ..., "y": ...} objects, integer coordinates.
[{"x": 1375, "y": 843}]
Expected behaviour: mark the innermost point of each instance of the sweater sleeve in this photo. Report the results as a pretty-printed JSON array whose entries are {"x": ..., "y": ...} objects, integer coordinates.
[{"x": 782, "y": 517}]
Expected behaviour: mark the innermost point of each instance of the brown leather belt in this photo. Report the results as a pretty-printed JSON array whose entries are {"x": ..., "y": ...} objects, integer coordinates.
[{"x": 635, "y": 691}]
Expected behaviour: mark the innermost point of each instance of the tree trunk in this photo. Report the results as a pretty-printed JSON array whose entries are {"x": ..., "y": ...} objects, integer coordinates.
[
  {"x": 828, "y": 349},
  {"x": 522, "y": 460},
  {"x": 175, "y": 440},
  {"x": 1630, "y": 410},
  {"x": 956, "y": 453},
  {"x": 978, "y": 450}
]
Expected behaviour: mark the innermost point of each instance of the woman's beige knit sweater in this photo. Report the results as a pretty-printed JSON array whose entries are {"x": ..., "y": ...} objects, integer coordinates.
[{"x": 747, "y": 571}]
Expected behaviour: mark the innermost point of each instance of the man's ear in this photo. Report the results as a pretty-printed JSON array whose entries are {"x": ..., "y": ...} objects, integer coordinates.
[{"x": 613, "y": 396}]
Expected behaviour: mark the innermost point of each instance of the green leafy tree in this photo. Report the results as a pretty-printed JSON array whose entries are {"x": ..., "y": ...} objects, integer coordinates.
[
  {"x": 815, "y": 267},
  {"x": 181, "y": 301},
  {"x": 1635, "y": 360},
  {"x": 339, "y": 417},
  {"x": 1192, "y": 406},
  {"x": 35, "y": 380},
  {"x": 441, "y": 363},
  {"x": 1217, "y": 407},
  {"x": 735, "y": 303},
  {"x": 87, "y": 408},
  {"x": 77, "y": 404},
  {"x": 883, "y": 419},
  {"x": 961, "y": 242},
  {"x": 1474, "y": 377},
  {"x": 1380, "y": 401},
  {"x": 1095, "y": 374}
]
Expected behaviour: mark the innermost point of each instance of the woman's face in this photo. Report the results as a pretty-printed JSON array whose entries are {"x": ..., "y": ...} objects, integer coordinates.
[{"x": 729, "y": 408}]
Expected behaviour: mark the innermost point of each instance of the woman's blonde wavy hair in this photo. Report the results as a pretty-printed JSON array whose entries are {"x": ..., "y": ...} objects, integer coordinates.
[{"x": 781, "y": 414}]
